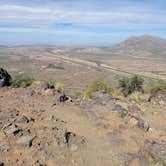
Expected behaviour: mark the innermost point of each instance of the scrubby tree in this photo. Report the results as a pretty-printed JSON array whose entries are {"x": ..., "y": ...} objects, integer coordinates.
[
  {"x": 130, "y": 85},
  {"x": 96, "y": 86},
  {"x": 22, "y": 80}
]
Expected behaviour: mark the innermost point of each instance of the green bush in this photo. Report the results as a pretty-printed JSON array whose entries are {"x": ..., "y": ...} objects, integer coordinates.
[
  {"x": 156, "y": 86},
  {"x": 116, "y": 93},
  {"x": 135, "y": 97},
  {"x": 22, "y": 80},
  {"x": 164, "y": 163},
  {"x": 58, "y": 87},
  {"x": 75, "y": 95},
  {"x": 130, "y": 85},
  {"x": 94, "y": 87}
]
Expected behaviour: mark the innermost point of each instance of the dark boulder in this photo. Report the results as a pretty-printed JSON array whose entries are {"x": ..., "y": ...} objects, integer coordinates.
[
  {"x": 5, "y": 78},
  {"x": 120, "y": 109},
  {"x": 63, "y": 98},
  {"x": 158, "y": 97},
  {"x": 1, "y": 163}
]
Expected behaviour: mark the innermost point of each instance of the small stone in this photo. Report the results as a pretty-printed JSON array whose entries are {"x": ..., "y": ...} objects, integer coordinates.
[
  {"x": 156, "y": 149},
  {"x": 5, "y": 148},
  {"x": 25, "y": 140},
  {"x": 73, "y": 147},
  {"x": 119, "y": 109},
  {"x": 13, "y": 129},
  {"x": 132, "y": 122},
  {"x": 63, "y": 98},
  {"x": 25, "y": 119},
  {"x": 136, "y": 121},
  {"x": 143, "y": 125}
]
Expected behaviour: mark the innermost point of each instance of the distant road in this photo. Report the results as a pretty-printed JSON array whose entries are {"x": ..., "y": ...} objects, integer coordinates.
[{"x": 96, "y": 65}]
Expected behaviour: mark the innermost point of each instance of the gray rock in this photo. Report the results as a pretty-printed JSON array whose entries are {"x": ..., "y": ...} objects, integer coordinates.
[
  {"x": 68, "y": 138},
  {"x": 25, "y": 119},
  {"x": 101, "y": 97},
  {"x": 25, "y": 140},
  {"x": 144, "y": 125},
  {"x": 156, "y": 149},
  {"x": 42, "y": 154},
  {"x": 158, "y": 97},
  {"x": 13, "y": 129},
  {"x": 5, "y": 148},
  {"x": 73, "y": 140},
  {"x": 134, "y": 108},
  {"x": 120, "y": 109},
  {"x": 137, "y": 121}
]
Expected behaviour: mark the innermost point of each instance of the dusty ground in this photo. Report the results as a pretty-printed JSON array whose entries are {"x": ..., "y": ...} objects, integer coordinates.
[
  {"x": 36, "y": 129},
  {"x": 76, "y": 67},
  {"x": 79, "y": 133}
]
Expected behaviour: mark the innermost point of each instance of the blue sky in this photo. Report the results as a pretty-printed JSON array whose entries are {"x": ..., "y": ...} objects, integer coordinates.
[{"x": 80, "y": 22}]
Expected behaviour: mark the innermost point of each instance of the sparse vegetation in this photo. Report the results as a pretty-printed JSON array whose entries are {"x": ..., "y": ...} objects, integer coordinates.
[
  {"x": 135, "y": 97},
  {"x": 59, "y": 87},
  {"x": 116, "y": 93},
  {"x": 164, "y": 164},
  {"x": 94, "y": 87},
  {"x": 74, "y": 95},
  {"x": 123, "y": 114},
  {"x": 154, "y": 86},
  {"x": 22, "y": 80},
  {"x": 130, "y": 85}
]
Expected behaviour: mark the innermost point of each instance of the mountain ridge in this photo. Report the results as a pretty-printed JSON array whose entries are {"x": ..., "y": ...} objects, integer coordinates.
[{"x": 141, "y": 46}]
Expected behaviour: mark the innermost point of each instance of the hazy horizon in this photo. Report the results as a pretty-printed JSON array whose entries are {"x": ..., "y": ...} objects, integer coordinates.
[{"x": 87, "y": 23}]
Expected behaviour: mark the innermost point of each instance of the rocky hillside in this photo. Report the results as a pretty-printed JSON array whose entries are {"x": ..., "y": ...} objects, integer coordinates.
[
  {"x": 41, "y": 127},
  {"x": 142, "y": 46}
]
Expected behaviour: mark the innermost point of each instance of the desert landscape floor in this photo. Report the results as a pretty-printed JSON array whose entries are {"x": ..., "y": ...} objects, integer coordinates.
[{"x": 36, "y": 129}]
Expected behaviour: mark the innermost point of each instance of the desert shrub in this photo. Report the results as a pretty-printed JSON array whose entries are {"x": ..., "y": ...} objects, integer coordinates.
[
  {"x": 94, "y": 87},
  {"x": 87, "y": 94},
  {"x": 123, "y": 114},
  {"x": 22, "y": 80},
  {"x": 130, "y": 85},
  {"x": 74, "y": 95},
  {"x": 59, "y": 87},
  {"x": 135, "y": 97},
  {"x": 36, "y": 82},
  {"x": 164, "y": 163},
  {"x": 156, "y": 86},
  {"x": 116, "y": 93}
]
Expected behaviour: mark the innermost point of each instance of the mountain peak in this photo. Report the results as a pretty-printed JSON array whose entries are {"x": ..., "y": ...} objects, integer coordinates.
[{"x": 144, "y": 46}]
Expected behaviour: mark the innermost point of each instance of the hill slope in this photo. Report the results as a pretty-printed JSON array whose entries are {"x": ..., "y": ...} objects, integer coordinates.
[{"x": 142, "y": 46}]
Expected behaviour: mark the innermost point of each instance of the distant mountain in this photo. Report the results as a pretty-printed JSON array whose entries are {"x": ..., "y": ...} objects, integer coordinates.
[
  {"x": 142, "y": 46},
  {"x": 3, "y": 46}
]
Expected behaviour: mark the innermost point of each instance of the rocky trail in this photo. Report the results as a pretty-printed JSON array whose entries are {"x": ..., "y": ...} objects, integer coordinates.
[{"x": 36, "y": 129}]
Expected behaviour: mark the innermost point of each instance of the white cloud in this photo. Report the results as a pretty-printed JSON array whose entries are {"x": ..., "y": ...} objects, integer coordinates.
[{"x": 131, "y": 17}]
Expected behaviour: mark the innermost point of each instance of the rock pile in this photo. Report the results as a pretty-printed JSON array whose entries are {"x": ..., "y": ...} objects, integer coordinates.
[
  {"x": 5, "y": 78},
  {"x": 156, "y": 149},
  {"x": 158, "y": 97}
]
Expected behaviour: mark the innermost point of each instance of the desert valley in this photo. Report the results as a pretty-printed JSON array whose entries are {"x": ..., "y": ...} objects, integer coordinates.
[{"x": 84, "y": 106}]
